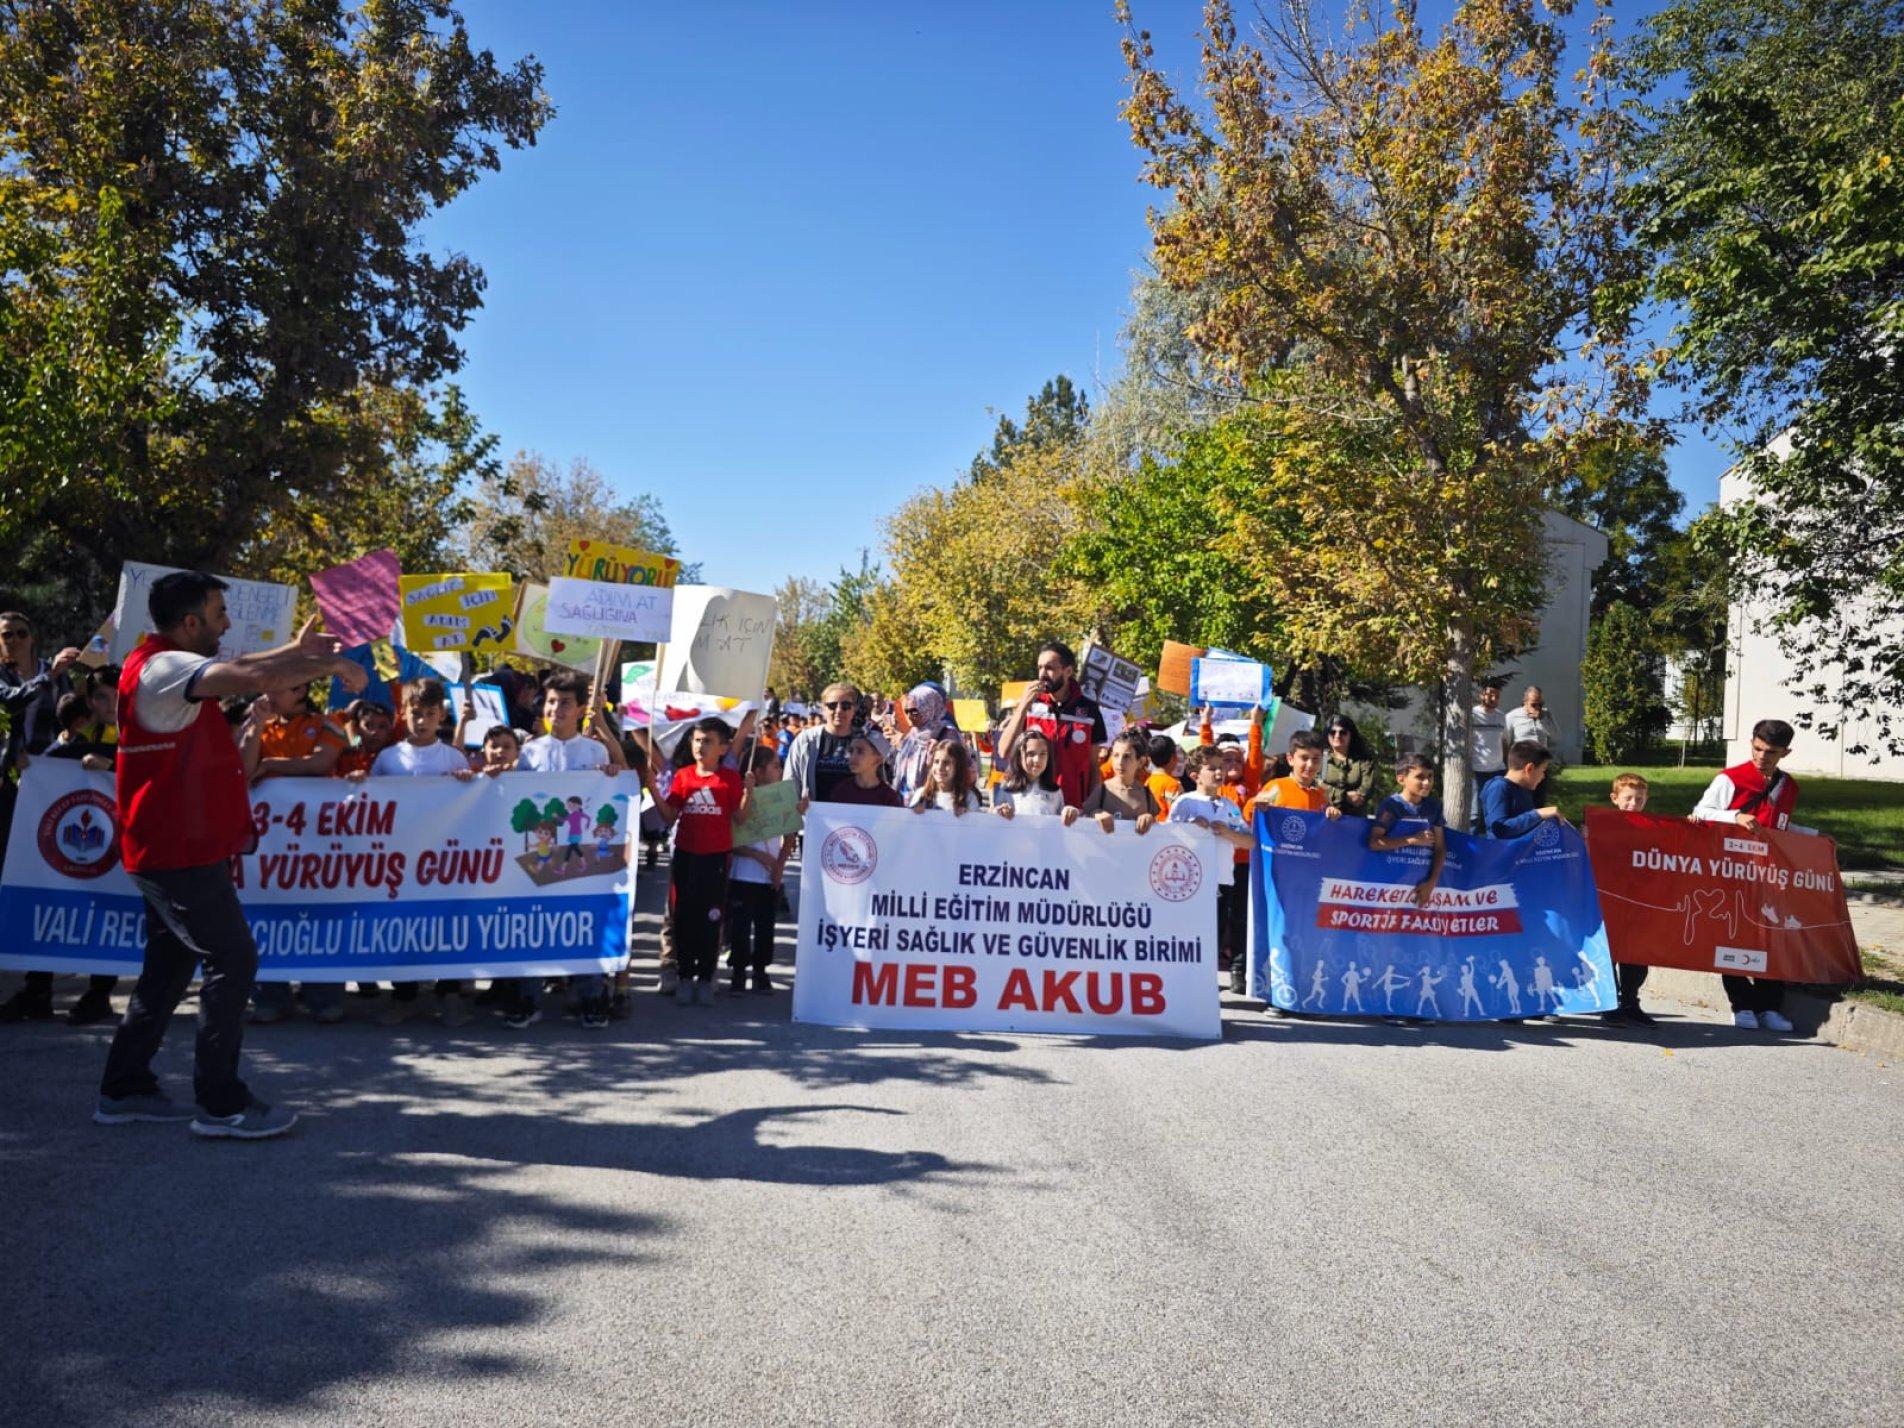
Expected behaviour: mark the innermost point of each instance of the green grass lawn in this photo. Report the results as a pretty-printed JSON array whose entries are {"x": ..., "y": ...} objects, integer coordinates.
[{"x": 1863, "y": 816}]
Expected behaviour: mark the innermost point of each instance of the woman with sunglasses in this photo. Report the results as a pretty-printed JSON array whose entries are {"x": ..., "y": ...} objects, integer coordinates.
[
  {"x": 1348, "y": 773},
  {"x": 819, "y": 759}
]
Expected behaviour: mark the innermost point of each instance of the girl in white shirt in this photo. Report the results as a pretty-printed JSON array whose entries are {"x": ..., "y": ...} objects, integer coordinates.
[
  {"x": 1031, "y": 787},
  {"x": 949, "y": 783}
]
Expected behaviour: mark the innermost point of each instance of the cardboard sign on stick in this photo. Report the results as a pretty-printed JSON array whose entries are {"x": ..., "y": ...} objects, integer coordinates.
[
  {"x": 460, "y": 611},
  {"x": 262, "y": 614},
  {"x": 970, "y": 715},
  {"x": 721, "y": 642},
  {"x": 360, "y": 600},
  {"x": 773, "y": 813},
  {"x": 1111, "y": 681},
  {"x": 1173, "y": 667},
  {"x": 1237, "y": 683},
  {"x": 597, "y": 560},
  {"x": 599, "y": 610},
  {"x": 531, "y": 637},
  {"x": 1009, "y": 694}
]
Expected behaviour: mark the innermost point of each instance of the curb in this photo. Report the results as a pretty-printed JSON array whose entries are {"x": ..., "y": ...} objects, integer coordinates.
[{"x": 1823, "y": 1016}]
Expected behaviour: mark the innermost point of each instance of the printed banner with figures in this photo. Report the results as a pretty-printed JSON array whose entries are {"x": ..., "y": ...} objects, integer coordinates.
[
  {"x": 927, "y": 922},
  {"x": 389, "y": 879},
  {"x": 1715, "y": 897},
  {"x": 1512, "y": 929}
]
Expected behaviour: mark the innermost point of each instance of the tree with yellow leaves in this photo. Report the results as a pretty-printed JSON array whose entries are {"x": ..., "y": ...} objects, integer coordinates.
[{"x": 1415, "y": 236}]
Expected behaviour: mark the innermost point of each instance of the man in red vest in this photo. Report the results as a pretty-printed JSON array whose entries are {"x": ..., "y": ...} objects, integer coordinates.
[
  {"x": 1059, "y": 709},
  {"x": 183, "y": 815}
]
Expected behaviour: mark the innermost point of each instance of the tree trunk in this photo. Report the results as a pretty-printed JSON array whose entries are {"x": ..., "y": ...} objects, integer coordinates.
[{"x": 1456, "y": 781}]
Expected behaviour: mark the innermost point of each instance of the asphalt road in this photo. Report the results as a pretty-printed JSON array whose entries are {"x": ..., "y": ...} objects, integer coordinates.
[{"x": 715, "y": 1216}]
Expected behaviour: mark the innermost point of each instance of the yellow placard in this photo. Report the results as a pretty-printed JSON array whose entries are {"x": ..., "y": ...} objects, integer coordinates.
[
  {"x": 1010, "y": 694},
  {"x": 459, "y": 611},
  {"x": 971, "y": 715},
  {"x": 620, "y": 564}
]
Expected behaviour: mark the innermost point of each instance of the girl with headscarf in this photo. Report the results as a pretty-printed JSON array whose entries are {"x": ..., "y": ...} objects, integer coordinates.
[{"x": 927, "y": 713}]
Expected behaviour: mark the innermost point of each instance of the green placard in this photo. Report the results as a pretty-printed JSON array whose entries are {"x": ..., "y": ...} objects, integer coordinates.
[{"x": 775, "y": 812}]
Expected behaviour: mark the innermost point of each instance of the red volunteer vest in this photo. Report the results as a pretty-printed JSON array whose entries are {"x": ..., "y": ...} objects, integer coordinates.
[
  {"x": 182, "y": 796},
  {"x": 1067, "y": 722},
  {"x": 1748, "y": 786}
]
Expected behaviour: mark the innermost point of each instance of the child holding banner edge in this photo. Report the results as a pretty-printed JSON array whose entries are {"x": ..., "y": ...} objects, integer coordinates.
[
  {"x": 1754, "y": 794},
  {"x": 1414, "y": 802}
]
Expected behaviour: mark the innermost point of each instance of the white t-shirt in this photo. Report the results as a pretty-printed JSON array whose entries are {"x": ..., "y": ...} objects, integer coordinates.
[
  {"x": 165, "y": 703},
  {"x": 549, "y": 754},
  {"x": 947, "y": 801},
  {"x": 1484, "y": 740},
  {"x": 405, "y": 757},
  {"x": 746, "y": 870},
  {"x": 1033, "y": 802},
  {"x": 1218, "y": 811}
]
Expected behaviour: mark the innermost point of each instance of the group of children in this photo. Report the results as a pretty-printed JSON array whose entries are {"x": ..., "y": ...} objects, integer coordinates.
[{"x": 720, "y": 892}]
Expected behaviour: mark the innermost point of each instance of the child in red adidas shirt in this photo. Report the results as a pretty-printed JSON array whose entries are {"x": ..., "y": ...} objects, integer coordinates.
[{"x": 704, "y": 800}]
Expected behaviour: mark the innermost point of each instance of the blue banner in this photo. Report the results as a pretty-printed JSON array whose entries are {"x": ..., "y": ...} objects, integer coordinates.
[{"x": 1512, "y": 929}]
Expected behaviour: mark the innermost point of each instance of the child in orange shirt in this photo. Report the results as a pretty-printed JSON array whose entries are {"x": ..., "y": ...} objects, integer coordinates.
[{"x": 1303, "y": 787}]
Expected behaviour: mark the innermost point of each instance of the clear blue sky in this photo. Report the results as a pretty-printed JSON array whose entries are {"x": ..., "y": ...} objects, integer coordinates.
[{"x": 782, "y": 264}]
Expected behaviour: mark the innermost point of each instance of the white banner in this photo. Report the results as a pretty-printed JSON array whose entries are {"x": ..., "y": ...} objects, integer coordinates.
[
  {"x": 389, "y": 879},
  {"x": 261, "y": 613},
  {"x": 720, "y": 643},
  {"x": 598, "y": 610},
  {"x": 927, "y": 922}
]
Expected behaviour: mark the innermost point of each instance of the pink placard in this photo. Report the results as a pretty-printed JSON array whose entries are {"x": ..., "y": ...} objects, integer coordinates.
[{"x": 359, "y": 600}]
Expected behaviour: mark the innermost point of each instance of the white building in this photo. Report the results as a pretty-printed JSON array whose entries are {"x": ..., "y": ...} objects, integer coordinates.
[
  {"x": 1757, "y": 674},
  {"x": 1574, "y": 551}
]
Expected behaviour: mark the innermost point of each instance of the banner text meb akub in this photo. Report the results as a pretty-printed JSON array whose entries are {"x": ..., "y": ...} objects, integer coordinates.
[{"x": 927, "y": 922}]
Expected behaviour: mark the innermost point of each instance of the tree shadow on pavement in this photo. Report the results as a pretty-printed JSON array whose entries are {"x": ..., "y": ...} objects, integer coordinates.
[{"x": 154, "y": 1277}]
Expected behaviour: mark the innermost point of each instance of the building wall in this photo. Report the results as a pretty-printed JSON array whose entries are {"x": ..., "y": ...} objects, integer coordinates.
[
  {"x": 1756, "y": 674},
  {"x": 1574, "y": 552}
]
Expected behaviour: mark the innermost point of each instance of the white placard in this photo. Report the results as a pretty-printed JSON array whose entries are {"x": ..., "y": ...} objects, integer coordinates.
[
  {"x": 1109, "y": 679},
  {"x": 595, "y": 609},
  {"x": 261, "y": 613},
  {"x": 933, "y": 922},
  {"x": 720, "y": 643},
  {"x": 1234, "y": 682},
  {"x": 491, "y": 709}
]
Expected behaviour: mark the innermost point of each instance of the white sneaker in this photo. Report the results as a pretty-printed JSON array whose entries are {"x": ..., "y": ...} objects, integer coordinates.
[
  {"x": 1774, "y": 1021},
  {"x": 1746, "y": 1021}
]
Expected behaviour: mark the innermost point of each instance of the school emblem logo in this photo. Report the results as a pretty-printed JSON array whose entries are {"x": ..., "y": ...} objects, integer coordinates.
[
  {"x": 1547, "y": 834},
  {"x": 1292, "y": 829},
  {"x": 1175, "y": 874},
  {"x": 79, "y": 834},
  {"x": 849, "y": 855}
]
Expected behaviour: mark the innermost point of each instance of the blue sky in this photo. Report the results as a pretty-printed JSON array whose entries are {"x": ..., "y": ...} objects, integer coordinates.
[{"x": 783, "y": 264}]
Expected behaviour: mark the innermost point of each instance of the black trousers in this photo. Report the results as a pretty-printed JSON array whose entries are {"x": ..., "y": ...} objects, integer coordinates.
[
  {"x": 192, "y": 915},
  {"x": 1753, "y": 994},
  {"x": 697, "y": 890},
  {"x": 1235, "y": 929},
  {"x": 751, "y": 910},
  {"x": 1631, "y": 979}
]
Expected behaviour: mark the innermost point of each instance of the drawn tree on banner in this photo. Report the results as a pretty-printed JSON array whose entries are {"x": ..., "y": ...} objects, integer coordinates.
[{"x": 523, "y": 819}]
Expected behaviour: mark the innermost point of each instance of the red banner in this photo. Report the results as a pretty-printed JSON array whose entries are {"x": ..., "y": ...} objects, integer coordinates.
[{"x": 1715, "y": 897}]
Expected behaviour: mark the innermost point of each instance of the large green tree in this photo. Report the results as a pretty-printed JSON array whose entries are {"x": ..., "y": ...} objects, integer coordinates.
[
  {"x": 1770, "y": 178},
  {"x": 1621, "y": 485},
  {"x": 210, "y": 266},
  {"x": 1416, "y": 227}
]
